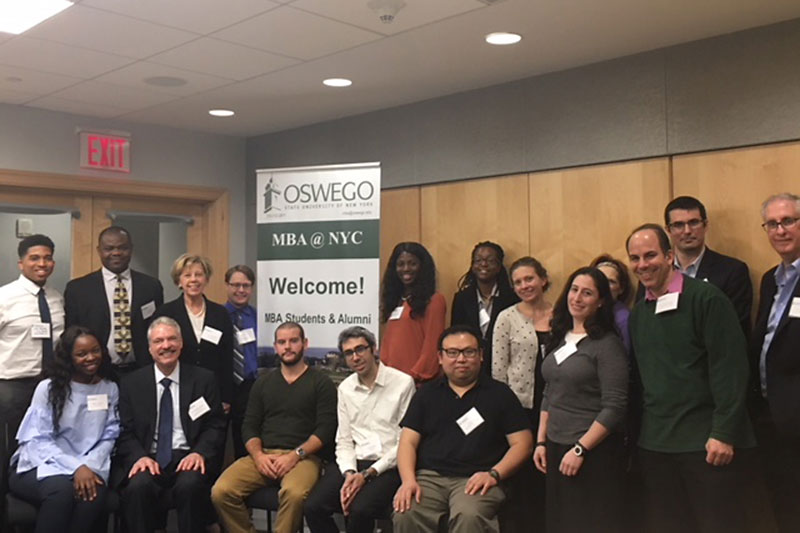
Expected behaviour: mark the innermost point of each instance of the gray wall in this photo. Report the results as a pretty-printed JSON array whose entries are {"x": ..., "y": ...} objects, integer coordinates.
[{"x": 45, "y": 141}]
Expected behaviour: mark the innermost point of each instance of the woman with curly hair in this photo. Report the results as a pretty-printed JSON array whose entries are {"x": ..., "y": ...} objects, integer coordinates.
[
  {"x": 413, "y": 312},
  {"x": 483, "y": 291},
  {"x": 67, "y": 435}
]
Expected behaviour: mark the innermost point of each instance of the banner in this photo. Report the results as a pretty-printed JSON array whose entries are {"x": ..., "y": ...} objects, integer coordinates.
[{"x": 318, "y": 251}]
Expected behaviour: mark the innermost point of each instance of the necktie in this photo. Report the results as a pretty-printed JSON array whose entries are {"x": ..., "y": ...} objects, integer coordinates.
[
  {"x": 238, "y": 351},
  {"x": 164, "y": 444},
  {"x": 44, "y": 315},
  {"x": 122, "y": 321}
]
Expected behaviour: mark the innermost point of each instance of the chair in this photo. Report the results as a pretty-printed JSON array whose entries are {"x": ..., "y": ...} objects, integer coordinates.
[{"x": 265, "y": 498}]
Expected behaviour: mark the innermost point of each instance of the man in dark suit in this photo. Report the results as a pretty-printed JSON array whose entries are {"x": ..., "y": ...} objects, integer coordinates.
[
  {"x": 115, "y": 302},
  {"x": 686, "y": 223},
  {"x": 181, "y": 402},
  {"x": 776, "y": 360}
]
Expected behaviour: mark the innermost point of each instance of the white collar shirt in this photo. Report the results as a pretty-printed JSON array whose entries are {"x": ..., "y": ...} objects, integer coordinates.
[
  {"x": 179, "y": 441},
  {"x": 110, "y": 282}
]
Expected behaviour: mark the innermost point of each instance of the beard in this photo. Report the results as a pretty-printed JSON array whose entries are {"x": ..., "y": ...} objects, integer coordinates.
[{"x": 292, "y": 358}]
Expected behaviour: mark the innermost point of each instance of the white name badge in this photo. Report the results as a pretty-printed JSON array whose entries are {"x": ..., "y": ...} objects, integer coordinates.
[
  {"x": 397, "y": 313},
  {"x": 211, "y": 335},
  {"x": 668, "y": 302},
  {"x": 565, "y": 351},
  {"x": 97, "y": 402},
  {"x": 794, "y": 310},
  {"x": 243, "y": 336},
  {"x": 469, "y": 421},
  {"x": 41, "y": 330},
  {"x": 483, "y": 317},
  {"x": 148, "y": 309},
  {"x": 370, "y": 448},
  {"x": 198, "y": 408}
]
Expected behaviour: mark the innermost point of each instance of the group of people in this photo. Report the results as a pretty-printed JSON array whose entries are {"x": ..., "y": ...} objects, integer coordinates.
[{"x": 584, "y": 410}]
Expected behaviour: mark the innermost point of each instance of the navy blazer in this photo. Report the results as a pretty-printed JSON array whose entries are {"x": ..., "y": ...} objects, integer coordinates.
[
  {"x": 86, "y": 304},
  {"x": 465, "y": 311},
  {"x": 782, "y": 360},
  {"x": 218, "y": 358}
]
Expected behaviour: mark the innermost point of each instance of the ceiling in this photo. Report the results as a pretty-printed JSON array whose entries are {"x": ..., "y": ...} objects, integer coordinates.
[{"x": 266, "y": 59}]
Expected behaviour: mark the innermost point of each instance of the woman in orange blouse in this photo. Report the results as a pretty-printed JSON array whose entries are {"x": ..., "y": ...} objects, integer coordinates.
[{"x": 413, "y": 312}]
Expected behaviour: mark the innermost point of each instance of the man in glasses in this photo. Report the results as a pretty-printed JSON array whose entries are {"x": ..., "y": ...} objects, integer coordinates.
[
  {"x": 362, "y": 481},
  {"x": 774, "y": 350},
  {"x": 686, "y": 222},
  {"x": 463, "y": 434}
]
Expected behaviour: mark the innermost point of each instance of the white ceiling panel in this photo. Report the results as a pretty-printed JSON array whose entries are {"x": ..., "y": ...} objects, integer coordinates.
[
  {"x": 199, "y": 16},
  {"x": 296, "y": 33},
  {"x": 416, "y": 12},
  {"x": 10, "y": 96},
  {"x": 54, "y": 103},
  {"x": 59, "y": 58},
  {"x": 222, "y": 58},
  {"x": 108, "y": 32},
  {"x": 134, "y": 77},
  {"x": 32, "y": 81},
  {"x": 109, "y": 95}
]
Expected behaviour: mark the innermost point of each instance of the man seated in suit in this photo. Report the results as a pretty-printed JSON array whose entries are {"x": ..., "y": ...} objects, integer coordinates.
[
  {"x": 172, "y": 428},
  {"x": 115, "y": 302}
]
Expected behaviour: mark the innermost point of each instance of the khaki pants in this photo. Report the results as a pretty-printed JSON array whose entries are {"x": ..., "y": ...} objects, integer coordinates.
[{"x": 242, "y": 478}]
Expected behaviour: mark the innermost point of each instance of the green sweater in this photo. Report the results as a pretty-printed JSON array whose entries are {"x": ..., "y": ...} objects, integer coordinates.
[
  {"x": 694, "y": 371},
  {"x": 283, "y": 416}
]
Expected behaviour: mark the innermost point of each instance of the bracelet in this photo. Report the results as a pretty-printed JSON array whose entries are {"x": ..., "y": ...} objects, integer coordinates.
[{"x": 542, "y": 443}]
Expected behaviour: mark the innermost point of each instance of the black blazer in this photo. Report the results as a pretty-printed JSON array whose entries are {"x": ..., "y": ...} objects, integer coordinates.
[
  {"x": 783, "y": 363},
  {"x": 218, "y": 358},
  {"x": 138, "y": 411},
  {"x": 86, "y": 304},
  {"x": 465, "y": 311},
  {"x": 732, "y": 277}
]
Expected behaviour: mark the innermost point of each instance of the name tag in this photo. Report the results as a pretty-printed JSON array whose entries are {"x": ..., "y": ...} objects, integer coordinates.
[
  {"x": 198, "y": 408},
  {"x": 97, "y": 402},
  {"x": 243, "y": 336},
  {"x": 211, "y": 335},
  {"x": 668, "y": 302},
  {"x": 794, "y": 310},
  {"x": 41, "y": 330},
  {"x": 148, "y": 309},
  {"x": 370, "y": 448},
  {"x": 483, "y": 317},
  {"x": 469, "y": 421},
  {"x": 397, "y": 313},
  {"x": 565, "y": 351}
]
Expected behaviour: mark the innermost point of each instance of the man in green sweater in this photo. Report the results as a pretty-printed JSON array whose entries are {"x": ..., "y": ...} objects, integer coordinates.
[
  {"x": 692, "y": 361},
  {"x": 290, "y": 417}
]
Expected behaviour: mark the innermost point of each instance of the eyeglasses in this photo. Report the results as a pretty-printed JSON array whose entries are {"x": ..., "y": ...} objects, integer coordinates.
[
  {"x": 469, "y": 353},
  {"x": 680, "y": 226},
  {"x": 771, "y": 226},
  {"x": 358, "y": 350},
  {"x": 240, "y": 286}
]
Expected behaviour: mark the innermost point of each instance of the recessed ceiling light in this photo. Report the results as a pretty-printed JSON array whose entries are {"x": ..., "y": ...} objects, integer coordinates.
[
  {"x": 502, "y": 38},
  {"x": 165, "y": 81},
  {"x": 16, "y": 16},
  {"x": 337, "y": 82},
  {"x": 221, "y": 113}
]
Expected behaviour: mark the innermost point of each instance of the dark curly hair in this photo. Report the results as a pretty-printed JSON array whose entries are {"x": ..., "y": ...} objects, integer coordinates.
[
  {"x": 625, "y": 287},
  {"x": 60, "y": 370},
  {"x": 596, "y": 325},
  {"x": 502, "y": 280},
  {"x": 422, "y": 289}
]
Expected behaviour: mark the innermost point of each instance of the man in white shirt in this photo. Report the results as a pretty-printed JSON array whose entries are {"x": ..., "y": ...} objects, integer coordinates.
[
  {"x": 31, "y": 320},
  {"x": 372, "y": 401}
]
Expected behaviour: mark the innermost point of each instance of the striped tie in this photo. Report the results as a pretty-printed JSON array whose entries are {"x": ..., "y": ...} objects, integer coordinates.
[
  {"x": 238, "y": 351},
  {"x": 122, "y": 321}
]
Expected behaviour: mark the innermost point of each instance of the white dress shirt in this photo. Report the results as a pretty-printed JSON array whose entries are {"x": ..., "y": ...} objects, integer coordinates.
[
  {"x": 179, "y": 441},
  {"x": 110, "y": 281},
  {"x": 20, "y": 353},
  {"x": 369, "y": 419}
]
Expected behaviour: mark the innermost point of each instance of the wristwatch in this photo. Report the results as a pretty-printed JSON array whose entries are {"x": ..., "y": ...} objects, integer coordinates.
[
  {"x": 579, "y": 450},
  {"x": 495, "y": 474},
  {"x": 301, "y": 453},
  {"x": 367, "y": 474}
]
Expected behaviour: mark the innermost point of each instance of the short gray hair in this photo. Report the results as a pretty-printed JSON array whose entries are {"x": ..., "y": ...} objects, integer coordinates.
[
  {"x": 782, "y": 196},
  {"x": 163, "y": 321},
  {"x": 357, "y": 332}
]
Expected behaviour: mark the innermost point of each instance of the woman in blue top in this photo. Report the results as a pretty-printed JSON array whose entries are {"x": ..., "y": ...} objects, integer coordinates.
[{"x": 66, "y": 437}]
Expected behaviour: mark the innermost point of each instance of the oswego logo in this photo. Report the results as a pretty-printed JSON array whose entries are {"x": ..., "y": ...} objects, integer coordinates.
[
  {"x": 312, "y": 193},
  {"x": 269, "y": 191}
]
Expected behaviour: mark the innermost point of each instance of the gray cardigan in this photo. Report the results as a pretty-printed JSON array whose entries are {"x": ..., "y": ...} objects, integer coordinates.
[{"x": 591, "y": 384}]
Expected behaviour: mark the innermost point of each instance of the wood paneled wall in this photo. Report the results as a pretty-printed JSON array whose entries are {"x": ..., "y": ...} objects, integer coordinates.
[{"x": 565, "y": 218}]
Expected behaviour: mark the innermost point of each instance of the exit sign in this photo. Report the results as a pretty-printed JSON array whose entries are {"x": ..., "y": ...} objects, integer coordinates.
[{"x": 102, "y": 151}]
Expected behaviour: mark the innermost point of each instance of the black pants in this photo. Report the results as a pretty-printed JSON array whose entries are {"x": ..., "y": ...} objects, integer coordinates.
[
  {"x": 15, "y": 397},
  {"x": 240, "y": 396},
  {"x": 143, "y": 496},
  {"x": 55, "y": 498},
  {"x": 591, "y": 500},
  {"x": 779, "y": 457},
  {"x": 373, "y": 501},
  {"x": 684, "y": 493}
]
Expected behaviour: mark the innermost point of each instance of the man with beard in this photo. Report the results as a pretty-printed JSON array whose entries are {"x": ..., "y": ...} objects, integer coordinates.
[{"x": 290, "y": 419}]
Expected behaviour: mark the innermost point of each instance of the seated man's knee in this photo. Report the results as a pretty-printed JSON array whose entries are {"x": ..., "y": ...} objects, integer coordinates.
[
  {"x": 190, "y": 482},
  {"x": 141, "y": 482},
  {"x": 472, "y": 514},
  {"x": 293, "y": 493}
]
